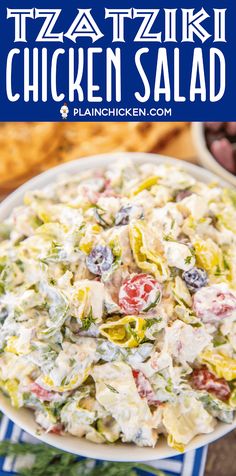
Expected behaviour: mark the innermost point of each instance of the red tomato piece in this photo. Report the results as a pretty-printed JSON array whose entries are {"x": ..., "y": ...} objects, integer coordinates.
[
  {"x": 212, "y": 303},
  {"x": 203, "y": 379},
  {"x": 57, "y": 429},
  {"x": 144, "y": 388},
  {"x": 41, "y": 393},
  {"x": 139, "y": 293}
]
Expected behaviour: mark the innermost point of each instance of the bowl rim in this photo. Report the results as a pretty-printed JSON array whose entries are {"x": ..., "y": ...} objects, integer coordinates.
[
  {"x": 205, "y": 156},
  {"x": 24, "y": 417}
]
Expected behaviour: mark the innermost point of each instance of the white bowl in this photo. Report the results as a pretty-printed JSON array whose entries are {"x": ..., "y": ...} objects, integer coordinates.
[
  {"x": 23, "y": 417},
  {"x": 204, "y": 155}
]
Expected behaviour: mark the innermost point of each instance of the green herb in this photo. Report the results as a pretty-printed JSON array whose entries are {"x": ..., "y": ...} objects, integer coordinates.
[
  {"x": 88, "y": 320},
  {"x": 133, "y": 333},
  {"x": 218, "y": 340},
  {"x": 172, "y": 224},
  {"x": 220, "y": 410},
  {"x": 64, "y": 381},
  {"x": 50, "y": 461},
  {"x": 27, "y": 396},
  {"x": 111, "y": 388},
  {"x": 153, "y": 304},
  {"x": 218, "y": 271},
  {"x": 2, "y": 288},
  {"x": 188, "y": 259},
  {"x": 82, "y": 227},
  {"x": 152, "y": 322},
  {"x": 5, "y": 273},
  {"x": 17, "y": 313},
  {"x": 168, "y": 237},
  {"x": 232, "y": 196},
  {"x": 2, "y": 266},
  {"x": 44, "y": 307},
  {"x": 116, "y": 251},
  {"x": 5, "y": 231},
  {"x": 174, "y": 272},
  {"x": 20, "y": 265},
  {"x": 72, "y": 362},
  {"x": 55, "y": 254},
  {"x": 56, "y": 408},
  {"x": 169, "y": 386},
  {"x": 99, "y": 215},
  {"x": 226, "y": 264},
  {"x": 146, "y": 467}
]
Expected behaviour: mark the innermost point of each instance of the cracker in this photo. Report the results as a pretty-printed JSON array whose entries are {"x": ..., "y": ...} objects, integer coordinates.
[
  {"x": 94, "y": 138},
  {"x": 29, "y": 148},
  {"x": 23, "y": 146}
]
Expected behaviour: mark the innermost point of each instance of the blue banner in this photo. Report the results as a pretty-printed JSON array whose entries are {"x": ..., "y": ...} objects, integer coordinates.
[{"x": 89, "y": 60}]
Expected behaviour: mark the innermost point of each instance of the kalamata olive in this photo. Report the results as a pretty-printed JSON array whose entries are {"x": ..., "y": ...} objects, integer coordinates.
[
  {"x": 213, "y": 126},
  {"x": 230, "y": 128},
  {"x": 100, "y": 260},
  {"x": 195, "y": 278},
  {"x": 223, "y": 152},
  {"x": 212, "y": 136}
]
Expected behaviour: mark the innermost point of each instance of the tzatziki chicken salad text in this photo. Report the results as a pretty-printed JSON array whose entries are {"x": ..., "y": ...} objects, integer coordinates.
[{"x": 118, "y": 305}]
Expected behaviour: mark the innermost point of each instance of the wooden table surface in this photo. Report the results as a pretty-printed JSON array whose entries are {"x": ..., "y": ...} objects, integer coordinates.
[{"x": 221, "y": 460}]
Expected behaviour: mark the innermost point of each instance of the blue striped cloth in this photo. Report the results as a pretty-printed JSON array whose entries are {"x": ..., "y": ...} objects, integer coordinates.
[{"x": 189, "y": 464}]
